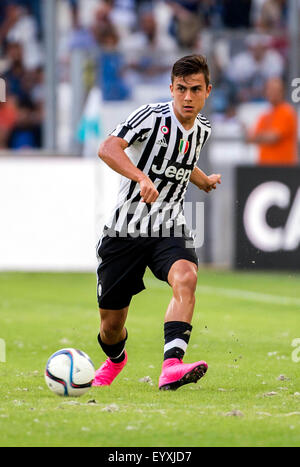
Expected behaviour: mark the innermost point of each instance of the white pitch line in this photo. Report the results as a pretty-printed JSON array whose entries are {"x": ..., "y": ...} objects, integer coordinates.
[
  {"x": 239, "y": 294},
  {"x": 249, "y": 295}
]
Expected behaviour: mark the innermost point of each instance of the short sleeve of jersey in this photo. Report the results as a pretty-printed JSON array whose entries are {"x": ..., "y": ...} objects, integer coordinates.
[
  {"x": 207, "y": 136},
  {"x": 205, "y": 123},
  {"x": 137, "y": 126}
]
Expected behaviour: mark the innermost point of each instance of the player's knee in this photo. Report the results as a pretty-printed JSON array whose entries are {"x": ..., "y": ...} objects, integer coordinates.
[{"x": 186, "y": 282}]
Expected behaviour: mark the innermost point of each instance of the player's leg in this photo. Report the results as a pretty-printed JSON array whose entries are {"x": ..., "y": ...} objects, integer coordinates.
[
  {"x": 182, "y": 278},
  {"x": 112, "y": 325},
  {"x": 120, "y": 276},
  {"x": 112, "y": 338},
  {"x": 174, "y": 260}
]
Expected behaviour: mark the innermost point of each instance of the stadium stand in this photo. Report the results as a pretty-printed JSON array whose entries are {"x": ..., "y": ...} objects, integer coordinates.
[{"x": 127, "y": 43}]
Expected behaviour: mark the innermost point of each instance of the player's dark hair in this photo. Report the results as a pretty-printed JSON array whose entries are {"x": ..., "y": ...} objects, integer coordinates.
[{"x": 190, "y": 65}]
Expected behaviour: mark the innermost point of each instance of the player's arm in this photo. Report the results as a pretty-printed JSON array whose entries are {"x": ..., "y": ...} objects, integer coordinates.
[
  {"x": 264, "y": 137},
  {"x": 203, "y": 181},
  {"x": 112, "y": 152},
  {"x": 262, "y": 134}
]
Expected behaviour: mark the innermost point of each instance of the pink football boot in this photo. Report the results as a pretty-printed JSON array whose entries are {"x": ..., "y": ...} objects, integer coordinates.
[
  {"x": 175, "y": 373},
  {"x": 108, "y": 372}
]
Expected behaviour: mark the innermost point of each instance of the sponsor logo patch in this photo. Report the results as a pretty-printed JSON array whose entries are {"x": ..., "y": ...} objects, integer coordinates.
[{"x": 162, "y": 142}]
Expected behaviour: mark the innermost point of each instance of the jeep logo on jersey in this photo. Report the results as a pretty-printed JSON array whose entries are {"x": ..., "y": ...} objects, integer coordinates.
[{"x": 175, "y": 172}]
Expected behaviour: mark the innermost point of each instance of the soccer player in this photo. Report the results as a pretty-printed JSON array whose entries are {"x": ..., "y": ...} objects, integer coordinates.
[{"x": 155, "y": 150}]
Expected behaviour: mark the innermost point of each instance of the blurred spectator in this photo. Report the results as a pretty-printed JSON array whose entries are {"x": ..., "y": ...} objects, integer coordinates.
[
  {"x": 111, "y": 66},
  {"x": 102, "y": 18},
  {"x": 26, "y": 102},
  {"x": 256, "y": 6},
  {"x": 149, "y": 52},
  {"x": 3, "y": 6},
  {"x": 14, "y": 70},
  {"x": 8, "y": 119},
  {"x": 236, "y": 13},
  {"x": 73, "y": 32},
  {"x": 21, "y": 67},
  {"x": 19, "y": 26},
  {"x": 32, "y": 6},
  {"x": 37, "y": 87},
  {"x": 9, "y": 17},
  {"x": 273, "y": 15},
  {"x": 211, "y": 13},
  {"x": 120, "y": 13},
  {"x": 224, "y": 94},
  {"x": 276, "y": 130},
  {"x": 74, "y": 7},
  {"x": 27, "y": 132},
  {"x": 28, "y": 92},
  {"x": 123, "y": 16},
  {"x": 249, "y": 70},
  {"x": 228, "y": 122},
  {"x": 185, "y": 23}
]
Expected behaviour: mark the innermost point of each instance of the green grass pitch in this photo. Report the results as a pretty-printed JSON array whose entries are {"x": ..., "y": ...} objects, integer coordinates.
[{"x": 244, "y": 327}]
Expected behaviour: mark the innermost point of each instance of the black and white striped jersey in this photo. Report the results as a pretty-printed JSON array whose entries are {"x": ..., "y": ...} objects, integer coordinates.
[{"x": 160, "y": 147}]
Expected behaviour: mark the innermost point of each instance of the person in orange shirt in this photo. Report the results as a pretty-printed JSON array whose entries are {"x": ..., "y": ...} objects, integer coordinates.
[{"x": 276, "y": 130}]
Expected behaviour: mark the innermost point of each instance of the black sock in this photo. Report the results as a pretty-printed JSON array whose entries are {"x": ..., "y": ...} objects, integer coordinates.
[
  {"x": 115, "y": 352},
  {"x": 177, "y": 336}
]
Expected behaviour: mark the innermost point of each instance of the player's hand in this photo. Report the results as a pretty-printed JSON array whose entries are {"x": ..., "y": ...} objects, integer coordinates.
[
  {"x": 149, "y": 193},
  {"x": 213, "y": 180}
]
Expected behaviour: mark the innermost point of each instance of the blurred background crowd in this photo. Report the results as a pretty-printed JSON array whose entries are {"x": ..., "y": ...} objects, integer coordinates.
[{"x": 135, "y": 42}]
